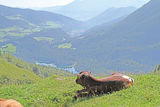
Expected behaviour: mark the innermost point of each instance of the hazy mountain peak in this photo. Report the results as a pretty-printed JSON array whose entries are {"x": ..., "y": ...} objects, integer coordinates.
[
  {"x": 111, "y": 15},
  {"x": 80, "y": 0},
  {"x": 87, "y": 9},
  {"x": 129, "y": 45}
]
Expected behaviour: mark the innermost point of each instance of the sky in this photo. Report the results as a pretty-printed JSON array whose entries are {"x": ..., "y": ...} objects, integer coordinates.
[
  {"x": 49, "y": 3},
  {"x": 34, "y": 3}
]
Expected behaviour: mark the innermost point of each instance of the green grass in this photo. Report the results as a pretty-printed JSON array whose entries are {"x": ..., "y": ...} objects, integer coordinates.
[
  {"x": 18, "y": 34},
  {"x": 49, "y": 92},
  {"x": 144, "y": 93},
  {"x": 58, "y": 91},
  {"x": 16, "y": 17},
  {"x": 50, "y": 24},
  {"x": 20, "y": 17},
  {"x": 41, "y": 71},
  {"x": 11, "y": 73},
  {"x": 37, "y": 29},
  {"x": 11, "y": 29},
  {"x": 44, "y": 39},
  {"x": 8, "y": 48},
  {"x": 15, "y": 32},
  {"x": 65, "y": 45}
]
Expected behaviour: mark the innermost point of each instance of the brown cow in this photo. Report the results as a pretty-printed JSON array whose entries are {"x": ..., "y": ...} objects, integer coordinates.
[
  {"x": 94, "y": 86},
  {"x": 9, "y": 103}
]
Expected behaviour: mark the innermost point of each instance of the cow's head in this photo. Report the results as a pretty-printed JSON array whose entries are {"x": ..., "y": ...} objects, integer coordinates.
[{"x": 81, "y": 77}]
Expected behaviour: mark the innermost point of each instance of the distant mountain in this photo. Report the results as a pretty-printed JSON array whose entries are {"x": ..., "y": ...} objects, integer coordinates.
[
  {"x": 86, "y": 9},
  {"x": 129, "y": 45},
  {"x": 110, "y": 15},
  {"x": 33, "y": 35},
  {"x": 31, "y": 18},
  {"x": 42, "y": 26}
]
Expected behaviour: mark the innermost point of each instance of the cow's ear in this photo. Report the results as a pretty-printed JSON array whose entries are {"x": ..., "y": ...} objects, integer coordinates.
[{"x": 89, "y": 72}]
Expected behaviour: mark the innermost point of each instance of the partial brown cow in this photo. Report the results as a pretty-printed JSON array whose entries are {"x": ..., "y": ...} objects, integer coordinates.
[
  {"x": 9, "y": 103},
  {"x": 93, "y": 86}
]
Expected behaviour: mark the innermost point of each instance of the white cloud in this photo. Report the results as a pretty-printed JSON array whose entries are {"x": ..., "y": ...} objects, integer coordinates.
[
  {"x": 34, "y": 3},
  {"x": 49, "y": 3},
  {"x": 136, "y": 3}
]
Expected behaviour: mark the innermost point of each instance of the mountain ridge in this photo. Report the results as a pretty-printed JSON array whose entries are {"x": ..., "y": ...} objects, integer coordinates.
[
  {"x": 87, "y": 9},
  {"x": 110, "y": 15},
  {"x": 127, "y": 40}
]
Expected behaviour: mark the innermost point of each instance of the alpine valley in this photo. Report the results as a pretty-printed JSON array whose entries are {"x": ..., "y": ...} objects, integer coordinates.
[{"x": 126, "y": 42}]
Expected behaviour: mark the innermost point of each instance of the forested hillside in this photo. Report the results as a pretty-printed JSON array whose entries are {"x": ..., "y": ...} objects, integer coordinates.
[
  {"x": 127, "y": 45},
  {"x": 110, "y": 15}
]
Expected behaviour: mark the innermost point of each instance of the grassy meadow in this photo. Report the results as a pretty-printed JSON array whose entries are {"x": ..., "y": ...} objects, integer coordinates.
[{"x": 57, "y": 88}]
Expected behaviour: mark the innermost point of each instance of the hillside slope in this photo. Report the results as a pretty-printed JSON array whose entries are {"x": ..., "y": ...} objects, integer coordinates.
[
  {"x": 30, "y": 18},
  {"x": 110, "y": 15},
  {"x": 59, "y": 90},
  {"x": 144, "y": 93},
  {"x": 52, "y": 92},
  {"x": 129, "y": 45},
  {"x": 18, "y": 23},
  {"x": 26, "y": 30},
  {"x": 35, "y": 71},
  {"x": 10, "y": 73}
]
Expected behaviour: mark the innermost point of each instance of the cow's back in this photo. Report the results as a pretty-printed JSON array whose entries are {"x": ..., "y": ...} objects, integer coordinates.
[{"x": 9, "y": 103}]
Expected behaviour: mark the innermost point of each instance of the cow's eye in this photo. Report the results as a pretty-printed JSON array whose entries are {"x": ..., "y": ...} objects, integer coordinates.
[{"x": 83, "y": 76}]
